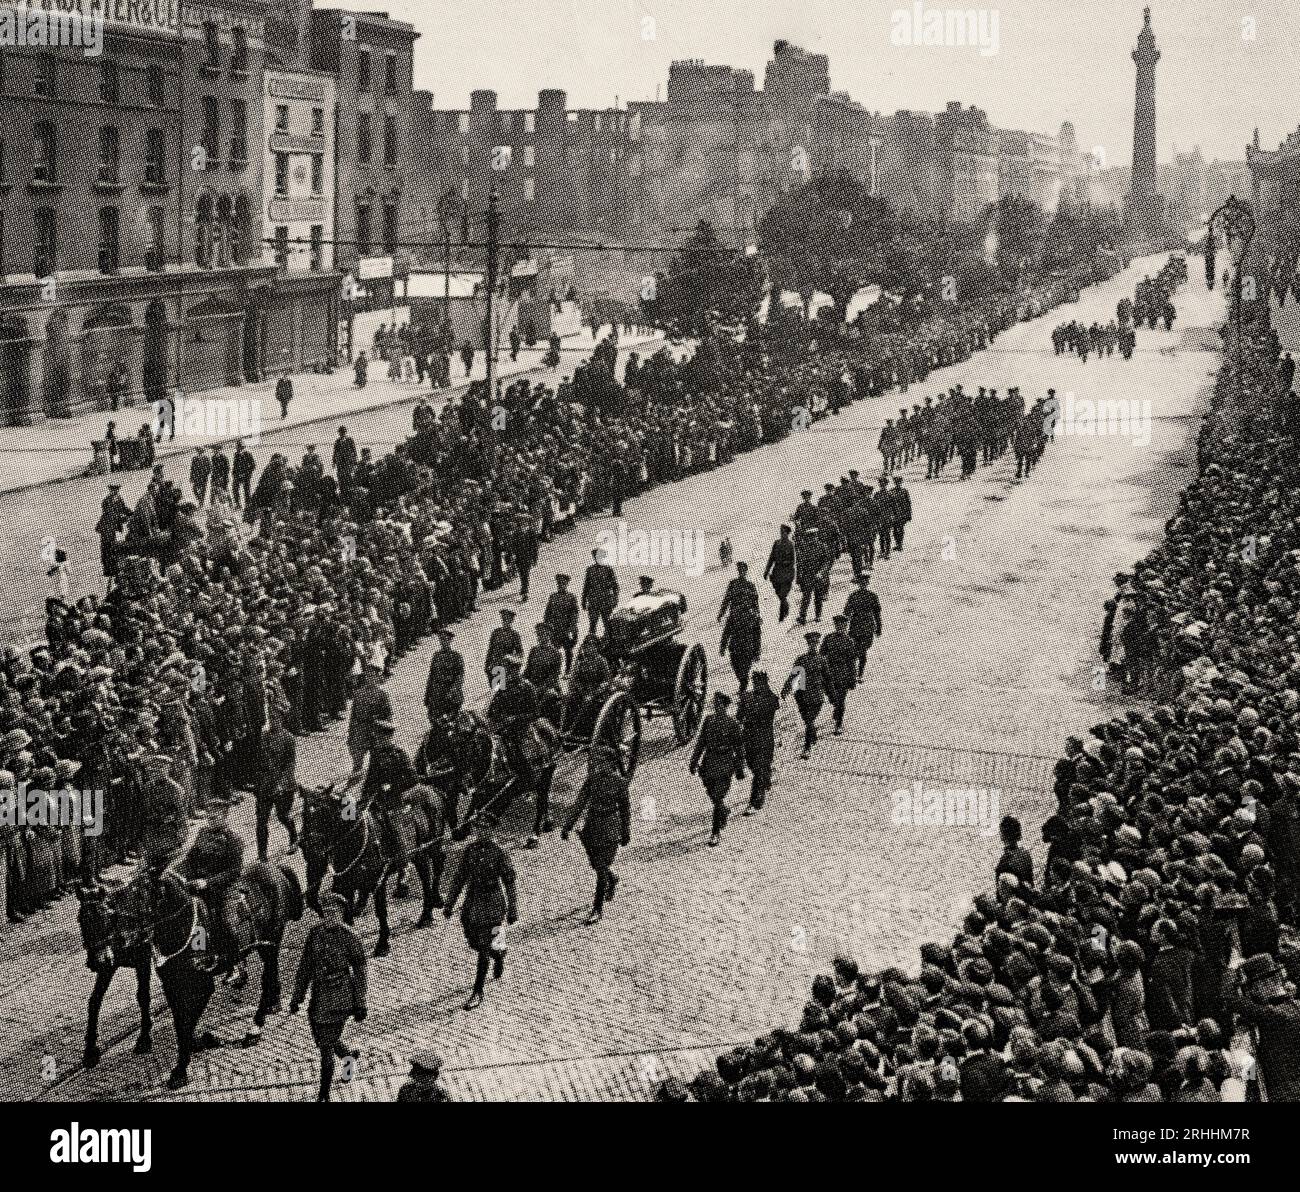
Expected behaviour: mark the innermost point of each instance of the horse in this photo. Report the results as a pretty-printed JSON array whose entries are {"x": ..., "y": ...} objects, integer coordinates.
[
  {"x": 519, "y": 765},
  {"x": 255, "y": 913},
  {"x": 339, "y": 836},
  {"x": 455, "y": 756},
  {"x": 120, "y": 926}
]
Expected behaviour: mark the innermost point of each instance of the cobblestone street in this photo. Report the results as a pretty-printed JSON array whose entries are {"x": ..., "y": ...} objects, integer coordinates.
[{"x": 991, "y": 617}]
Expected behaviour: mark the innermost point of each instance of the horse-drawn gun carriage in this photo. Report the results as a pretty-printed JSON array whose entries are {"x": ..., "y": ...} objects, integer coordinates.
[{"x": 653, "y": 674}]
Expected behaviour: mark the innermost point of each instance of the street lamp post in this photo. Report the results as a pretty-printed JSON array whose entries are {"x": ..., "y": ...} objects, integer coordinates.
[{"x": 1236, "y": 223}]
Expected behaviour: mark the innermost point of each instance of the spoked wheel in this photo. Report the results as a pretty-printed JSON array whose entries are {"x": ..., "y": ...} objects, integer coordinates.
[
  {"x": 618, "y": 727},
  {"x": 689, "y": 693}
]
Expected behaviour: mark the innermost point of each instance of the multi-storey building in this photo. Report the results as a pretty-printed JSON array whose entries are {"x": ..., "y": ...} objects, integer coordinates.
[
  {"x": 130, "y": 227},
  {"x": 966, "y": 148}
]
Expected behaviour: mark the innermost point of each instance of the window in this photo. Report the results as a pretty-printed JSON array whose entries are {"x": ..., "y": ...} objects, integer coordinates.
[
  {"x": 157, "y": 86},
  {"x": 390, "y": 140},
  {"x": 203, "y": 232},
  {"x": 530, "y": 156},
  {"x": 317, "y": 174},
  {"x": 363, "y": 70},
  {"x": 318, "y": 122},
  {"x": 108, "y": 81},
  {"x": 282, "y": 247},
  {"x": 46, "y": 83},
  {"x": 109, "y": 155},
  {"x": 212, "y": 43},
  {"x": 155, "y": 157},
  {"x": 464, "y": 155},
  {"x": 390, "y": 228},
  {"x": 239, "y": 230},
  {"x": 108, "y": 239},
  {"x": 239, "y": 52},
  {"x": 2, "y": 244},
  {"x": 2, "y": 168},
  {"x": 45, "y": 245},
  {"x": 530, "y": 122},
  {"x": 238, "y": 130},
  {"x": 464, "y": 190},
  {"x": 282, "y": 117},
  {"x": 317, "y": 247},
  {"x": 45, "y": 153},
  {"x": 211, "y": 128},
  {"x": 281, "y": 175},
  {"x": 363, "y": 138},
  {"x": 595, "y": 123},
  {"x": 530, "y": 189},
  {"x": 462, "y": 123},
  {"x": 390, "y": 74},
  {"x": 507, "y": 122},
  {"x": 156, "y": 254},
  {"x": 363, "y": 229}
]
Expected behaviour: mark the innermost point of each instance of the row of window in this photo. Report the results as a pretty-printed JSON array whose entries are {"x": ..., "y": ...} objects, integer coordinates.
[
  {"x": 513, "y": 122},
  {"x": 282, "y": 175},
  {"x": 317, "y": 120},
  {"x": 45, "y": 240},
  {"x": 212, "y": 48},
  {"x": 317, "y": 247},
  {"x": 211, "y": 141},
  {"x": 364, "y": 81},
  {"x": 365, "y": 140},
  {"x": 45, "y": 155},
  {"x": 46, "y": 82}
]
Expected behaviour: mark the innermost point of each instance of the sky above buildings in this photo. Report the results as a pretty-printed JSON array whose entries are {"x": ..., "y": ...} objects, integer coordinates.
[{"x": 1225, "y": 67}]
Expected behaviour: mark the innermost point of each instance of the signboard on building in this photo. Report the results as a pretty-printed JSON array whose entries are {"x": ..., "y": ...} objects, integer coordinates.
[
  {"x": 157, "y": 16},
  {"x": 296, "y": 210},
  {"x": 285, "y": 87},
  {"x": 369, "y": 268}
]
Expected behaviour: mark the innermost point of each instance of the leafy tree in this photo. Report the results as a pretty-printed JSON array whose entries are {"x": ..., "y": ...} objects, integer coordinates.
[{"x": 707, "y": 282}]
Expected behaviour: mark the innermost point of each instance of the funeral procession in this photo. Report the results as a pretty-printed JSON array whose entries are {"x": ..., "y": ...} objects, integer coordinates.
[{"x": 652, "y": 551}]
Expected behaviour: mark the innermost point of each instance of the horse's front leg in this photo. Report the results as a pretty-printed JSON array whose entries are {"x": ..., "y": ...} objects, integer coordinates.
[{"x": 144, "y": 999}]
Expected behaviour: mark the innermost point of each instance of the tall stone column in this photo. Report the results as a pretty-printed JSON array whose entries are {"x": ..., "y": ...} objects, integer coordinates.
[{"x": 1144, "y": 205}]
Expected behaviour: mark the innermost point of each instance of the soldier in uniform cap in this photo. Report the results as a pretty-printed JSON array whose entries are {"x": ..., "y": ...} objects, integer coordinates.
[
  {"x": 757, "y": 715},
  {"x": 486, "y": 876},
  {"x": 333, "y": 968},
  {"x": 562, "y": 616},
  {"x": 840, "y": 652},
  {"x": 211, "y": 866},
  {"x": 814, "y": 570},
  {"x": 444, "y": 693},
  {"x": 647, "y": 585},
  {"x": 505, "y": 641},
  {"x": 809, "y": 681},
  {"x": 780, "y": 570},
  {"x": 719, "y": 755},
  {"x": 163, "y": 814},
  {"x": 423, "y": 1083},
  {"x": 599, "y": 592},
  {"x": 902, "y": 510},
  {"x": 863, "y": 612},
  {"x": 607, "y": 804}
]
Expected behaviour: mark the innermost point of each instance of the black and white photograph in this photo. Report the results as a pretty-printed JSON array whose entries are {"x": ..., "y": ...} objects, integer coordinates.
[{"x": 649, "y": 551}]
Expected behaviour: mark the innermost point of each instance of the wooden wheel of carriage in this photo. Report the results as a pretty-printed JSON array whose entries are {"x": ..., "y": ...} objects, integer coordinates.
[
  {"x": 618, "y": 727},
  {"x": 689, "y": 693}
]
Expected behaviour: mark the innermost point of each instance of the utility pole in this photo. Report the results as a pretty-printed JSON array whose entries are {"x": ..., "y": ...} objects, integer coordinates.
[{"x": 493, "y": 227}]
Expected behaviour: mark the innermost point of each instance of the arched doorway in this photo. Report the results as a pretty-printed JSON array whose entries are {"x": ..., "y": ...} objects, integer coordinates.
[
  {"x": 15, "y": 370},
  {"x": 106, "y": 341},
  {"x": 154, "y": 366},
  {"x": 56, "y": 379}
]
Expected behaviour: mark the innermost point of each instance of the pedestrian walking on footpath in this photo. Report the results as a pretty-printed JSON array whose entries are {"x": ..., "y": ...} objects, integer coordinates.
[
  {"x": 808, "y": 680},
  {"x": 200, "y": 473},
  {"x": 604, "y": 805},
  {"x": 333, "y": 969},
  {"x": 863, "y": 612},
  {"x": 284, "y": 395},
  {"x": 719, "y": 756},
  {"x": 486, "y": 876},
  {"x": 756, "y": 712}
]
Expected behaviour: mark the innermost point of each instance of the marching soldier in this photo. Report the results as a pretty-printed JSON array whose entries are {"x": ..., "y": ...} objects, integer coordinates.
[
  {"x": 741, "y": 592},
  {"x": 390, "y": 775},
  {"x": 805, "y": 515},
  {"x": 719, "y": 755},
  {"x": 444, "y": 693},
  {"x": 333, "y": 968},
  {"x": 863, "y": 612},
  {"x": 808, "y": 681},
  {"x": 545, "y": 664},
  {"x": 742, "y": 638},
  {"x": 780, "y": 570},
  {"x": 524, "y": 548},
  {"x": 757, "y": 715},
  {"x": 902, "y": 510},
  {"x": 605, "y": 799},
  {"x": 840, "y": 652},
  {"x": 599, "y": 592},
  {"x": 423, "y": 1084},
  {"x": 163, "y": 813},
  {"x": 562, "y": 617},
  {"x": 276, "y": 785},
  {"x": 504, "y": 643},
  {"x": 884, "y": 517},
  {"x": 369, "y": 706},
  {"x": 814, "y": 570},
  {"x": 486, "y": 875}
]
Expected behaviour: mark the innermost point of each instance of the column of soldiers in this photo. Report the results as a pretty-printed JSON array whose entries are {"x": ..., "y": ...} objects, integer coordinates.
[{"x": 974, "y": 428}]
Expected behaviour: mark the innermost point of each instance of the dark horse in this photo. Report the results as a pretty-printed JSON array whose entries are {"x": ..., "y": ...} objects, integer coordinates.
[
  {"x": 340, "y": 836},
  {"x": 154, "y": 919},
  {"x": 120, "y": 927},
  {"x": 521, "y": 760}
]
